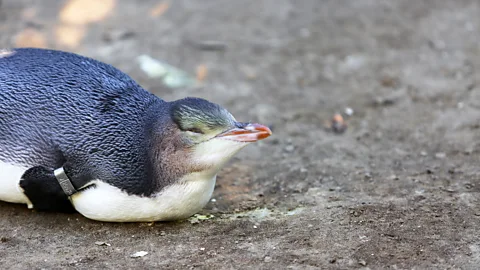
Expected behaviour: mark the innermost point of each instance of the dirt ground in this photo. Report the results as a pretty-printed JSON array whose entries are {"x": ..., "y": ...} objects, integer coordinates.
[{"x": 398, "y": 190}]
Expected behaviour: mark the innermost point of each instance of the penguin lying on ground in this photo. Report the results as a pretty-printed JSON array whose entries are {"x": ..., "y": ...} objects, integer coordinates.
[{"x": 79, "y": 134}]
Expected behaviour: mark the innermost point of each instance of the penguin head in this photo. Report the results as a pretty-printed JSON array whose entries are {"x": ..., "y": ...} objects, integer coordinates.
[{"x": 210, "y": 133}]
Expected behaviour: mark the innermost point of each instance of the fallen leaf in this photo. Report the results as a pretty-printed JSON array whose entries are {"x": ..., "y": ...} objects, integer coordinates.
[
  {"x": 202, "y": 72},
  {"x": 6, "y": 53},
  {"x": 170, "y": 75},
  {"x": 81, "y": 12},
  {"x": 195, "y": 219},
  {"x": 159, "y": 9},
  {"x": 70, "y": 35},
  {"x": 204, "y": 217},
  {"x": 30, "y": 38}
]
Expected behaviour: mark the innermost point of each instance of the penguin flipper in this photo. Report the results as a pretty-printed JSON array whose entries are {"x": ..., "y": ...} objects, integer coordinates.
[{"x": 42, "y": 188}]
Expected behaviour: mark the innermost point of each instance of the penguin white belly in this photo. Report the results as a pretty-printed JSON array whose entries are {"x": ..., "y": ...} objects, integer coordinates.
[
  {"x": 10, "y": 190},
  {"x": 177, "y": 201}
]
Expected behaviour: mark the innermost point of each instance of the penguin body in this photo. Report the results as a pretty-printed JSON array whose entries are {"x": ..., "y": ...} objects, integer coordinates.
[{"x": 131, "y": 155}]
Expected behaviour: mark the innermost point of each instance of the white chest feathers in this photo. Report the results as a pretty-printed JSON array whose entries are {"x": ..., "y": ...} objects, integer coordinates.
[{"x": 177, "y": 201}]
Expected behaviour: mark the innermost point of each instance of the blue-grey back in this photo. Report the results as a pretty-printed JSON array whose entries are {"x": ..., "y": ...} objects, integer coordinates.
[{"x": 57, "y": 106}]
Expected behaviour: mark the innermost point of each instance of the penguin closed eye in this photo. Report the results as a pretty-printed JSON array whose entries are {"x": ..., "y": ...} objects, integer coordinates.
[{"x": 129, "y": 155}]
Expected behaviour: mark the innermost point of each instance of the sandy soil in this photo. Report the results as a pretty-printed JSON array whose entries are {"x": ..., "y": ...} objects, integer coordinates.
[{"x": 398, "y": 190}]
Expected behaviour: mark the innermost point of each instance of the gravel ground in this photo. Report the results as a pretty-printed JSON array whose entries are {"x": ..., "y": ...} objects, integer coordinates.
[{"x": 398, "y": 189}]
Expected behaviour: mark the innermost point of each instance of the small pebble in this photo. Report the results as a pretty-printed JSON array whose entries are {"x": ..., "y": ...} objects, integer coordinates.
[
  {"x": 99, "y": 243},
  {"x": 267, "y": 259},
  {"x": 362, "y": 262},
  {"x": 383, "y": 101},
  {"x": 138, "y": 254},
  {"x": 289, "y": 148},
  {"x": 423, "y": 154},
  {"x": 393, "y": 177},
  {"x": 354, "y": 62},
  {"x": 440, "y": 155},
  {"x": 337, "y": 124},
  {"x": 251, "y": 74},
  {"x": 349, "y": 111}
]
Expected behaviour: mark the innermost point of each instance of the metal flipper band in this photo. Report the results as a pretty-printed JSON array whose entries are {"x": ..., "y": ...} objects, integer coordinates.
[{"x": 64, "y": 182}]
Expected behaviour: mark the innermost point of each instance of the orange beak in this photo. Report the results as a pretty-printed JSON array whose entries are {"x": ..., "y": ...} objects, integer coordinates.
[{"x": 248, "y": 133}]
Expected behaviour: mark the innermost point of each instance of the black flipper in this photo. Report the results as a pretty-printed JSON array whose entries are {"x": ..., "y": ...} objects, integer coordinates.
[{"x": 42, "y": 189}]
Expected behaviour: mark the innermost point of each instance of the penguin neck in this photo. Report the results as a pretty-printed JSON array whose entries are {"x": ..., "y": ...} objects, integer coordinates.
[
  {"x": 168, "y": 158},
  {"x": 173, "y": 163}
]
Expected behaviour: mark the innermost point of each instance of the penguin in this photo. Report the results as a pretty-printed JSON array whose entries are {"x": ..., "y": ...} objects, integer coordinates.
[{"x": 78, "y": 135}]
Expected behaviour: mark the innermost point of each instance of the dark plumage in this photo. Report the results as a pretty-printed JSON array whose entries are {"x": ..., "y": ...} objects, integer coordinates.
[{"x": 63, "y": 107}]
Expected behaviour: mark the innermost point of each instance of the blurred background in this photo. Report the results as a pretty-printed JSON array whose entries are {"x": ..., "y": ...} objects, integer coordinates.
[{"x": 374, "y": 105}]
